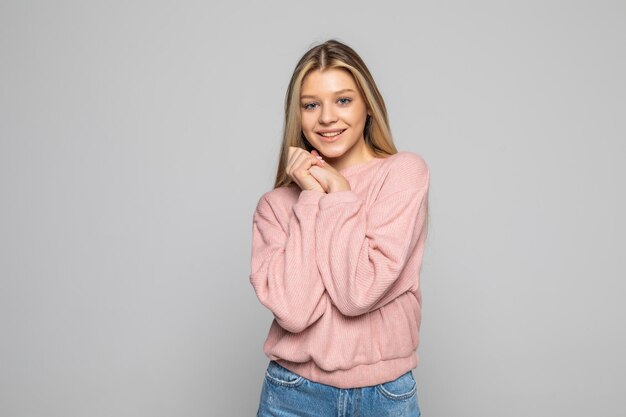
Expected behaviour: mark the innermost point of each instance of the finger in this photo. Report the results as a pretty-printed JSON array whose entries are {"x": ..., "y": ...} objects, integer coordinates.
[
  {"x": 294, "y": 154},
  {"x": 291, "y": 163},
  {"x": 299, "y": 160},
  {"x": 304, "y": 160},
  {"x": 315, "y": 153}
]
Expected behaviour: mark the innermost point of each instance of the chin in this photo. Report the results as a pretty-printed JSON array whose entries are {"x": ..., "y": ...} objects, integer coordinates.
[{"x": 330, "y": 152}]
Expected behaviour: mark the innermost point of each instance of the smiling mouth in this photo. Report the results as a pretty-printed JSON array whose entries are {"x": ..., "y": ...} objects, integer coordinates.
[{"x": 331, "y": 135}]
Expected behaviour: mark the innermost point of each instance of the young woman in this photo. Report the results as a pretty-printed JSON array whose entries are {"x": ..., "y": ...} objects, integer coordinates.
[{"x": 337, "y": 247}]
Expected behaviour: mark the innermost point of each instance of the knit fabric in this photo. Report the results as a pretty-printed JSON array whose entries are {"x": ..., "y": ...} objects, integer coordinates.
[{"x": 340, "y": 272}]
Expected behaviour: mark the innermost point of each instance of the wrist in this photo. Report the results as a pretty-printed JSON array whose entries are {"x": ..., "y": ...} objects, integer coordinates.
[{"x": 342, "y": 185}]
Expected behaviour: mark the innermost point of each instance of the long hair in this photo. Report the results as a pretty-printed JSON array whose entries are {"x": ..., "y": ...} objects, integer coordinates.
[
  {"x": 333, "y": 54},
  {"x": 377, "y": 133}
]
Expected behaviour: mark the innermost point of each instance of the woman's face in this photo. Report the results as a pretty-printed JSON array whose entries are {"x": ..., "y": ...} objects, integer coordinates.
[{"x": 330, "y": 102}]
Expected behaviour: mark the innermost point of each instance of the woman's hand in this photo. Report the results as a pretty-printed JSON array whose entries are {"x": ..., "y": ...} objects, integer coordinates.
[
  {"x": 328, "y": 177},
  {"x": 298, "y": 168}
]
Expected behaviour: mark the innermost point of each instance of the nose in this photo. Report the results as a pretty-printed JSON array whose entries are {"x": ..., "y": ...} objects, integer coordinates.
[{"x": 327, "y": 115}]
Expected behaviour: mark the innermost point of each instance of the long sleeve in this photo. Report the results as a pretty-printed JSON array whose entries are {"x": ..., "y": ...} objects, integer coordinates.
[
  {"x": 284, "y": 274},
  {"x": 361, "y": 252}
]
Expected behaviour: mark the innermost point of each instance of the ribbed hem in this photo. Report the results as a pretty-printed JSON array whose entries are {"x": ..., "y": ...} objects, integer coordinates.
[{"x": 359, "y": 376}]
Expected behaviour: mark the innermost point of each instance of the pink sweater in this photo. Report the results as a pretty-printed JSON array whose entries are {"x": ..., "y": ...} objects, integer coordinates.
[{"x": 340, "y": 272}]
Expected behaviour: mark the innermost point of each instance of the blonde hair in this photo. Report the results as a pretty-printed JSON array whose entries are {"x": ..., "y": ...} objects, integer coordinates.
[{"x": 333, "y": 54}]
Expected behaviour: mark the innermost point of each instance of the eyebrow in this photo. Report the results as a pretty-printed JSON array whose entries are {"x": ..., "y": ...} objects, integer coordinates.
[{"x": 345, "y": 90}]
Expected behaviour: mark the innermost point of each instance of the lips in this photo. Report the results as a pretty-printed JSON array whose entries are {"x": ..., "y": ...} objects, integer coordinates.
[
  {"x": 330, "y": 138},
  {"x": 330, "y": 131}
]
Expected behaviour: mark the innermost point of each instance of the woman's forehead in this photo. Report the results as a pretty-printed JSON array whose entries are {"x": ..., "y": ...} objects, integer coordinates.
[{"x": 328, "y": 81}]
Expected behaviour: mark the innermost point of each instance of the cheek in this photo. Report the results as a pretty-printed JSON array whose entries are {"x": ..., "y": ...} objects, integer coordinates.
[
  {"x": 307, "y": 121},
  {"x": 356, "y": 116}
]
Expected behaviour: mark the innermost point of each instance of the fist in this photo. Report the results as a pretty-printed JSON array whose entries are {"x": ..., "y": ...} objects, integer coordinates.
[{"x": 299, "y": 162}]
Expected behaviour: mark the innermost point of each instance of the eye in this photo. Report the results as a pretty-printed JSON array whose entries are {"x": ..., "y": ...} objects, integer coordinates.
[
  {"x": 306, "y": 106},
  {"x": 347, "y": 100}
]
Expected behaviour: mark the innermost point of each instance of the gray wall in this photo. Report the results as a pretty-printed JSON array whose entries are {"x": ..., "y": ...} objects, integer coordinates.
[{"x": 136, "y": 138}]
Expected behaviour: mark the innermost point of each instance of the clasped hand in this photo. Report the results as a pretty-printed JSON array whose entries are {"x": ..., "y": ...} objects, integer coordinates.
[{"x": 311, "y": 172}]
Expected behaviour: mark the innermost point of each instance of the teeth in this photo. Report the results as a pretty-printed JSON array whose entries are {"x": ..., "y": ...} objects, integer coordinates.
[{"x": 328, "y": 135}]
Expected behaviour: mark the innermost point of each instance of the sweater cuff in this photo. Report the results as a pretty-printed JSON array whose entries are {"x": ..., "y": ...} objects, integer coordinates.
[
  {"x": 331, "y": 199},
  {"x": 310, "y": 197}
]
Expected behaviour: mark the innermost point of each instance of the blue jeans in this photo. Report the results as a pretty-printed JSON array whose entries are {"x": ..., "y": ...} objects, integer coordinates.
[{"x": 287, "y": 394}]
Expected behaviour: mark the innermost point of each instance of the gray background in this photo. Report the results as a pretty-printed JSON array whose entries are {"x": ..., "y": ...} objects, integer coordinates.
[{"x": 137, "y": 136}]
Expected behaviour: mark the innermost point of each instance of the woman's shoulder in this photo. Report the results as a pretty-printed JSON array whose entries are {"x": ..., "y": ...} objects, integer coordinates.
[
  {"x": 405, "y": 170},
  {"x": 280, "y": 196},
  {"x": 407, "y": 160}
]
